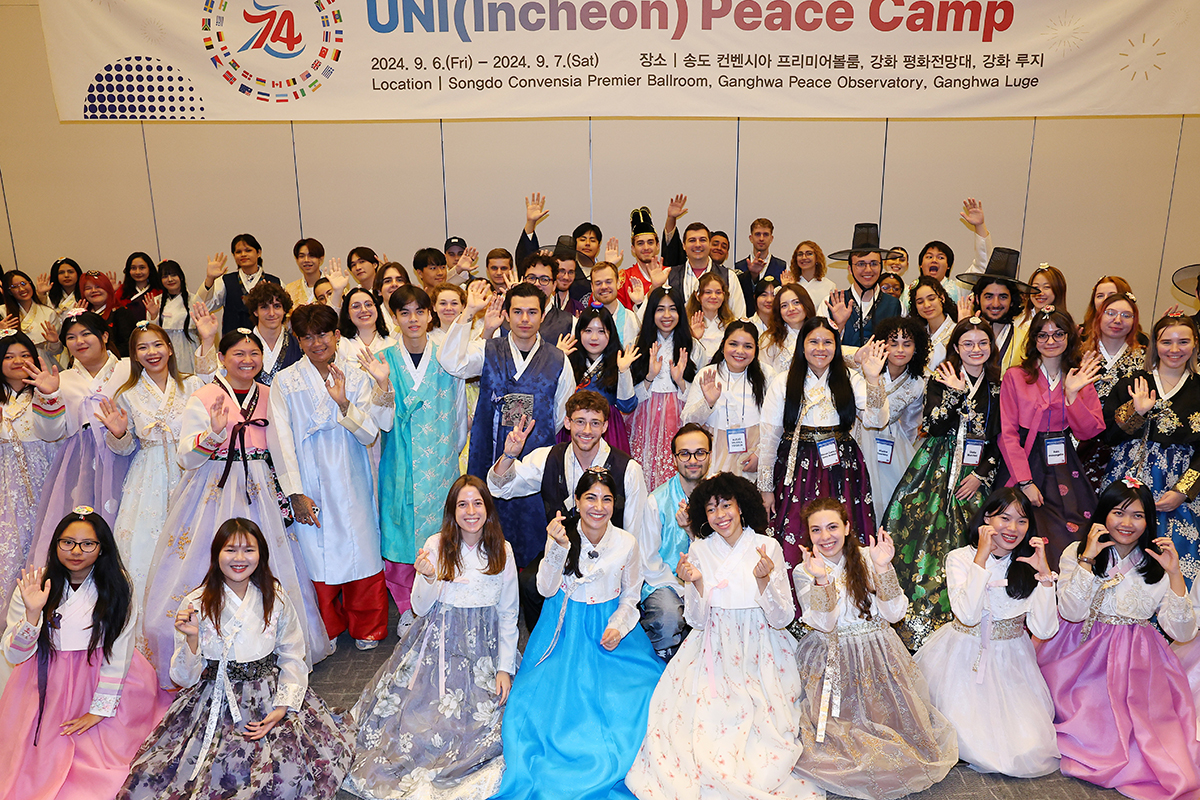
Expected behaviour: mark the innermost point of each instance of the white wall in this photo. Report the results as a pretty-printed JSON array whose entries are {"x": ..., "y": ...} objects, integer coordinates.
[{"x": 1088, "y": 195}]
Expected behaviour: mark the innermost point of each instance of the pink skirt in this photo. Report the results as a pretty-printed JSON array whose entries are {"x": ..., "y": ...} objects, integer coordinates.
[
  {"x": 654, "y": 424},
  {"x": 1123, "y": 711},
  {"x": 86, "y": 766}
]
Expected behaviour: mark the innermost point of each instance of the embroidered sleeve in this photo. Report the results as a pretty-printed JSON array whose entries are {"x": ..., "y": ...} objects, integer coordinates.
[
  {"x": 1129, "y": 420},
  {"x": 1188, "y": 484},
  {"x": 48, "y": 405},
  {"x": 876, "y": 395},
  {"x": 381, "y": 397},
  {"x": 21, "y": 642},
  {"x": 550, "y": 571},
  {"x": 824, "y": 598},
  {"x": 1177, "y": 616}
]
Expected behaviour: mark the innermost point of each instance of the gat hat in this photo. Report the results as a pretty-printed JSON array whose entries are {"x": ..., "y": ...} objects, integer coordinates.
[
  {"x": 454, "y": 241},
  {"x": 564, "y": 250},
  {"x": 640, "y": 221},
  {"x": 1003, "y": 263},
  {"x": 1185, "y": 278},
  {"x": 866, "y": 240}
]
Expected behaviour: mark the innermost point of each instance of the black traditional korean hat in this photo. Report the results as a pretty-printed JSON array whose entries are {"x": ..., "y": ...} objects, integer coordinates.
[{"x": 1003, "y": 263}]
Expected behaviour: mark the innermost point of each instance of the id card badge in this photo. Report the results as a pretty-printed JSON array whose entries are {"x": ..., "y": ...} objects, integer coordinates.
[
  {"x": 827, "y": 450},
  {"x": 883, "y": 450},
  {"x": 972, "y": 452},
  {"x": 735, "y": 440},
  {"x": 1056, "y": 450}
]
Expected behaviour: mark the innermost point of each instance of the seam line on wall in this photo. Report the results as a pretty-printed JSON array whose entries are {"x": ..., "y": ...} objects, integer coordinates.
[
  {"x": 883, "y": 172},
  {"x": 737, "y": 184},
  {"x": 150, "y": 185},
  {"x": 8, "y": 220},
  {"x": 1028, "y": 183},
  {"x": 591, "y": 183},
  {"x": 1162, "y": 258},
  {"x": 296, "y": 173},
  {"x": 445, "y": 200}
]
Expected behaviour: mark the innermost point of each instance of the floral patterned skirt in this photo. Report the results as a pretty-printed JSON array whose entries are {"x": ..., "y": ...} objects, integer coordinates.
[
  {"x": 429, "y": 724},
  {"x": 305, "y": 756}
]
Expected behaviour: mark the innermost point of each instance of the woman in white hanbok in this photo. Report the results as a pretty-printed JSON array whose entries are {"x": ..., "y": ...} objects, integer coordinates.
[
  {"x": 981, "y": 667},
  {"x": 929, "y": 301},
  {"x": 723, "y": 720},
  {"x": 790, "y": 308}
]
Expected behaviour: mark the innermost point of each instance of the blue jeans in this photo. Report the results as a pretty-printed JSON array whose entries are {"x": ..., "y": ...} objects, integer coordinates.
[{"x": 662, "y": 619}]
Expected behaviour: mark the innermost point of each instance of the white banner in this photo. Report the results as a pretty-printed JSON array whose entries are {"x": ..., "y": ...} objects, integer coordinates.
[{"x": 454, "y": 59}]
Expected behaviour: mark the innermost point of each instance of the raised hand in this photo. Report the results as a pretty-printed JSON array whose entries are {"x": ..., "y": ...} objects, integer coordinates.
[
  {"x": 153, "y": 305},
  {"x": 966, "y": 307},
  {"x": 612, "y": 251},
  {"x": 423, "y": 565},
  {"x": 1041, "y": 566},
  {"x": 509, "y": 276},
  {"x": 1169, "y": 557},
  {"x": 764, "y": 565},
  {"x": 681, "y": 515},
  {"x": 339, "y": 279},
  {"x": 49, "y": 332},
  {"x": 375, "y": 366},
  {"x": 883, "y": 550},
  {"x": 43, "y": 284},
  {"x": 335, "y": 384},
  {"x": 840, "y": 305},
  {"x": 187, "y": 621},
  {"x": 1084, "y": 375},
  {"x": 972, "y": 213},
  {"x": 40, "y": 378},
  {"x": 1143, "y": 396},
  {"x": 814, "y": 564},
  {"x": 218, "y": 416},
  {"x": 514, "y": 443},
  {"x": 112, "y": 277},
  {"x": 986, "y": 544},
  {"x": 113, "y": 417},
  {"x": 711, "y": 387},
  {"x": 655, "y": 363},
  {"x": 658, "y": 273},
  {"x": 948, "y": 376},
  {"x": 10, "y": 322},
  {"x": 637, "y": 292},
  {"x": 466, "y": 261},
  {"x": 626, "y": 357},
  {"x": 493, "y": 318},
  {"x": 677, "y": 368},
  {"x": 206, "y": 323},
  {"x": 557, "y": 531},
  {"x": 35, "y": 591},
  {"x": 676, "y": 207},
  {"x": 698, "y": 324},
  {"x": 535, "y": 212},
  {"x": 567, "y": 343},
  {"x": 875, "y": 361},
  {"x": 478, "y": 297},
  {"x": 215, "y": 269}
]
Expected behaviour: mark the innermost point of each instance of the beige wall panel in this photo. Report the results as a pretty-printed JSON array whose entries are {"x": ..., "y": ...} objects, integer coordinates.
[
  {"x": 646, "y": 162},
  {"x": 813, "y": 178},
  {"x": 1183, "y": 242},
  {"x": 373, "y": 184},
  {"x": 933, "y": 165},
  {"x": 73, "y": 189},
  {"x": 492, "y": 166},
  {"x": 214, "y": 181},
  {"x": 1098, "y": 200}
]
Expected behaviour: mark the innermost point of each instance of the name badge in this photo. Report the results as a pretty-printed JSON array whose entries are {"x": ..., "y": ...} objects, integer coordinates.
[
  {"x": 827, "y": 450},
  {"x": 1056, "y": 450},
  {"x": 883, "y": 450},
  {"x": 735, "y": 440},
  {"x": 972, "y": 452}
]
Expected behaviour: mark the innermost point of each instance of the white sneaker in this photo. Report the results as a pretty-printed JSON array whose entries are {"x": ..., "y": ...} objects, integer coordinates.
[
  {"x": 406, "y": 621},
  {"x": 366, "y": 644},
  {"x": 332, "y": 646}
]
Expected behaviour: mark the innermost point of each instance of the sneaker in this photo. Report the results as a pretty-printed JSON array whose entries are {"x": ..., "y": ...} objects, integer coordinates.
[
  {"x": 366, "y": 644},
  {"x": 332, "y": 646},
  {"x": 406, "y": 621}
]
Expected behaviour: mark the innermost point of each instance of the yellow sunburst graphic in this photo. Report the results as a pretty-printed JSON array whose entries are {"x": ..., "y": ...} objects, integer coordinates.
[
  {"x": 1142, "y": 58},
  {"x": 1065, "y": 33}
]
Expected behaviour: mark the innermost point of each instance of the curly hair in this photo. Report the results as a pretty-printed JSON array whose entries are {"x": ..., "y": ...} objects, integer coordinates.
[{"x": 726, "y": 486}]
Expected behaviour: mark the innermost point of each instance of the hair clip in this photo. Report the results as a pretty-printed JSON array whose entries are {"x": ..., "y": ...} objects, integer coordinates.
[
  {"x": 142, "y": 324},
  {"x": 596, "y": 471},
  {"x": 975, "y": 320},
  {"x": 1047, "y": 310},
  {"x": 74, "y": 312},
  {"x": 1175, "y": 313},
  {"x": 245, "y": 331},
  {"x": 1132, "y": 482},
  {"x": 5, "y": 332},
  {"x": 1129, "y": 296},
  {"x": 83, "y": 511}
]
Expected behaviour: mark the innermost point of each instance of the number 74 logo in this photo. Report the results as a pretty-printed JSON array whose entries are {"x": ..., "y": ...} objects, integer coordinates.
[{"x": 277, "y": 27}]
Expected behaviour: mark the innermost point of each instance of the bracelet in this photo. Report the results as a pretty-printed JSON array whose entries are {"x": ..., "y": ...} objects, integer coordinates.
[
  {"x": 1023, "y": 484},
  {"x": 506, "y": 455},
  {"x": 1086, "y": 560}
]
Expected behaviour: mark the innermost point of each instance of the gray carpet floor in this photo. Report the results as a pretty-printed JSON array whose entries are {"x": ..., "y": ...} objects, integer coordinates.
[{"x": 340, "y": 679}]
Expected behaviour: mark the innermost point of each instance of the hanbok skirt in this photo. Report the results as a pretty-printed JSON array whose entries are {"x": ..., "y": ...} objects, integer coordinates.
[
  {"x": 655, "y": 422},
  {"x": 1068, "y": 498},
  {"x": 1161, "y": 468},
  {"x": 1123, "y": 710},
  {"x": 23, "y": 470},
  {"x": 847, "y": 481},
  {"x": 304, "y": 757},
  {"x": 886, "y": 739},
  {"x": 152, "y": 478},
  {"x": 429, "y": 724},
  {"x": 84, "y": 766},
  {"x": 1096, "y": 456},
  {"x": 725, "y": 461},
  {"x": 996, "y": 698},
  {"x": 927, "y": 521},
  {"x": 884, "y": 477},
  {"x": 723, "y": 720},
  {"x": 575, "y": 721},
  {"x": 85, "y": 472},
  {"x": 181, "y": 559}
]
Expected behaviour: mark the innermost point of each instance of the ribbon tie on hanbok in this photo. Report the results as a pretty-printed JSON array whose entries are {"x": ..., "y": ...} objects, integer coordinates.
[
  {"x": 985, "y": 634},
  {"x": 222, "y": 691},
  {"x": 441, "y": 628},
  {"x": 569, "y": 586},
  {"x": 1097, "y": 601}
]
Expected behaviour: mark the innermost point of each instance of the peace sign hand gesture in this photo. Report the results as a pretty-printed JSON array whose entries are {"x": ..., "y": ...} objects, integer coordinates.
[{"x": 514, "y": 443}]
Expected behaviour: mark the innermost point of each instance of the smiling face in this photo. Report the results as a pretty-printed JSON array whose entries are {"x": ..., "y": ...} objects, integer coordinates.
[
  {"x": 1043, "y": 294},
  {"x": 645, "y": 247},
  {"x": 321, "y": 348},
  {"x": 695, "y": 242},
  {"x": 928, "y": 304},
  {"x": 819, "y": 348},
  {"x": 564, "y": 276},
  {"x": 587, "y": 429},
  {"x": 718, "y": 249},
  {"x": 310, "y": 265},
  {"x": 896, "y": 261},
  {"x": 448, "y": 306},
  {"x": 865, "y": 267},
  {"x": 1116, "y": 321},
  {"x": 16, "y": 358},
  {"x": 242, "y": 362},
  {"x": 84, "y": 345},
  {"x": 805, "y": 260},
  {"x": 363, "y": 312},
  {"x": 595, "y": 507},
  {"x": 935, "y": 264},
  {"x": 995, "y": 300},
  {"x": 270, "y": 315},
  {"x": 153, "y": 352},
  {"x": 711, "y": 298},
  {"x": 139, "y": 270},
  {"x": 238, "y": 559},
  {"x": 1051, "y": 341},
  {"x": 21, "y": 289},
  {"x": 1176, "y": 346},
  {"x": 666, "y": 316},
  {"x": 725, "y": 517},
  {"x": 692, "y": 455},
  {"x": 470, "y": 512},
  {"x": 791, "y": 309},
  {"x": 171, "y": 283},
  {"x": 413, "y": 322},
  {"x": 391, "y": 281},
  {"x": 433, "y": 274},
  {"x": 245, "y": 256},
  {"x": 827, "y": 532},
  {"x": 594, "y": 338},
  {"x": 739, "y": 350},
  {"x": 604, "y": 285},
  {"x": 974, "y": 349},
  {"x": 893, "y": 286},
  {"x": 1011, "y": 525},
  {"x": 1126, "y": 524},
  {"x": 95, "y": 295},
  {"x": 76, "y": 536}
]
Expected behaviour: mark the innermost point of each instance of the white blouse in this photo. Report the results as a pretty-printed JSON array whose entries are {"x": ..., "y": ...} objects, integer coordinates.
[
  {"x": 735, "y": 408},
  {"x": 663, "y": 383},
  {"x": 729, "y": 582},
  {"x": 828, "y": 607},
  {"x": 976, "y": 591},
  {"x": 244, "y": 639},
  {"x": 155, "y": 416},
  {"x": 1126, "y": 594},
  {"x": 475, "y": 589},
  {"x": 16, "y": 419},
  {"x": 780, "y": 358},
  {"x": 615, "y": 572},
  {"x": 72, "y": 408}
]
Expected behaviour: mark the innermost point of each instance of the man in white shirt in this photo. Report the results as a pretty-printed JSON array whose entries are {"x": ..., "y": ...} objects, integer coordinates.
[{"x": 686, "y": 276}]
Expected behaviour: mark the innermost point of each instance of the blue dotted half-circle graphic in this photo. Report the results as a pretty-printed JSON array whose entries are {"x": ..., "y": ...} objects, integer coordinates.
[{"x": 141, "y": 87}]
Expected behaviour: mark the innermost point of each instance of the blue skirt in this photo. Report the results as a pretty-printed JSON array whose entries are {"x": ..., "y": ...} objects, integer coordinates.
[{"x": 574, "y": 722}]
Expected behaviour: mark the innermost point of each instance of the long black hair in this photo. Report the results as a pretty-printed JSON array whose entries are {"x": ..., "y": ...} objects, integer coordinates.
[
  {"x": 129, "y": 286},
  {"x": 114, "y": 596},
  {"x": 916, "y": 331},
  {"x": 681, "y": 336},
  {"x": 346, "y": 325},
  {"x": 1120, "y": 494},
  {"x": 19, "y": 339},
  {"x": 839, "y": 379},
  {"x": 754, "y": 372},
  {"x": 1022, "y": 578},
  {"x": 170, "y": 267},
  {"x": 726, "y": 486},
  {"x": 590, "y": 478},
  {"x": 607, "y": 377},
  {"x": 57, "y": 292}
]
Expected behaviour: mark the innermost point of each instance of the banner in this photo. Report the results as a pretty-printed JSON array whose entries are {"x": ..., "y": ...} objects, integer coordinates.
[{"x": 455, "y": 59}]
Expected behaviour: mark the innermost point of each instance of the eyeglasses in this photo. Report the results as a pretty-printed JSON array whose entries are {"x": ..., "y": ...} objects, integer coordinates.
[
  {"x": 312, "y": 338},
  {"x": 692, "y": 455},
  {"x": 865, "y": 264},
  {"x": 67, "y": 545},
  {"x": 1058, "y": 336},
  {"x": 539, "y": 280},
  {"x": 1124, "y": 316}
]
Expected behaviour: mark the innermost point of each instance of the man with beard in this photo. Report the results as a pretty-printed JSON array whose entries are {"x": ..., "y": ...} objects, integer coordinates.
[{"x": 998, "y": 295}]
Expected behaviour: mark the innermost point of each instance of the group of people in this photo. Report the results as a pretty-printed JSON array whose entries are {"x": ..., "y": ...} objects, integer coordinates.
[{"x": 950, "y": 522}]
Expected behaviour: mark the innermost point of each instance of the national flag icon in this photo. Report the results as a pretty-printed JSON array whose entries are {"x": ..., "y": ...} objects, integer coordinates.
[
  {"x": 206, "y": 25},
  {"x": 327, "y": 72},
  {"x": 260, "y": 81},
  {"x": 323, "y": 53},
  {"x": 305, "y": 75},
  {"x": 316, "y": 64},
  {"x": 276, "y": 84},
  {"x": 224, "y": 4},
  {"x": 232, "y": 63},
  {"x": 281, "y": 98},
  {"x": 316, "y": 84},
  {"x": 320, "y": 6},
  {"x": 208, "y": 43},
  {"x": 228, "y": 76},
  {"x": 246, "y": 74},
  {"x": 216, "y": 61},
  {"x": 337, "y": 36},
  {"x": 324, "y": 20},
  {"x": 220, "y": 20},
  {"x": 244, "y": 89},
  {"x": 264, "y": 97},
  {"x": 208, "y": 6},
  {"x": 334, "y": 55},
  {"x": 298, "y": 93},
  {"x": 337, "y": 16},
  {"x": 220, "y": 36},
  {"x": 291, "y": 81},
  {"x": 325, "y": 37}
]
